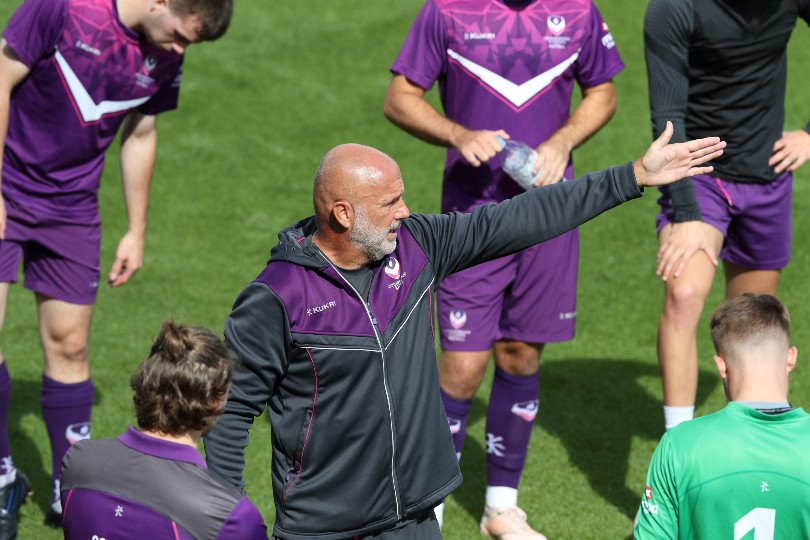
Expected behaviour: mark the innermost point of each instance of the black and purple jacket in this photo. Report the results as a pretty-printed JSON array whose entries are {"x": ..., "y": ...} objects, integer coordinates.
[{"x": 360, "y": 438}]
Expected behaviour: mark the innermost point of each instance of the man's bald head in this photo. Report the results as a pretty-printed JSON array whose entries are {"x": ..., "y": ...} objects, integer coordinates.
[{"x": 345, "y": 173}]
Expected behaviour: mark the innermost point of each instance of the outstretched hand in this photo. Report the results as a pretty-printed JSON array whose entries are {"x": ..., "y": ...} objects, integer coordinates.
[{"x": 664, "y": 163}]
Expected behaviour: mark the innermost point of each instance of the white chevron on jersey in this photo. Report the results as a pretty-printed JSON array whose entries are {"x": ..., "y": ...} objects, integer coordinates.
[
  {"x": 90, "y": 110},
  {"x": 518, "y": 94}
]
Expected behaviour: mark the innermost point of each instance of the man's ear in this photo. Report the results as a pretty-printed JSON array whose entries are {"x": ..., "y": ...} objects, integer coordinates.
[
  {"x": 158, "y": 4},
  {"x": 343, "y": 213},
  {"x": 720, "y": 364},
  {"x": 792, "y": 357}
]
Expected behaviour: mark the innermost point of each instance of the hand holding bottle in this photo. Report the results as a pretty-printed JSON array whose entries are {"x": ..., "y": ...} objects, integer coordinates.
[{"x": 517, "y": 160}]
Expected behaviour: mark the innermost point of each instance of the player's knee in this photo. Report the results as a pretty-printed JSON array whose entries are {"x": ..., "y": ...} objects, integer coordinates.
[
  {"x": 685, "y": 297},
  {"x": 68, "y": 350},
  {"x": 518, "y": 358}
]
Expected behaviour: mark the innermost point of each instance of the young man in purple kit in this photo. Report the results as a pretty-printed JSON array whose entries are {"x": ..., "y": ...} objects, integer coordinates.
[
  {"x": 71, "y": 73},
  {"x": 505, "y": 68},
  {"x": 151, "y": 482}
]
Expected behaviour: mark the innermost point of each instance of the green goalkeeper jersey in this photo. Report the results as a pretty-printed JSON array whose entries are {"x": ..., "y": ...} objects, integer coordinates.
[{"x": 738, "y": 474}]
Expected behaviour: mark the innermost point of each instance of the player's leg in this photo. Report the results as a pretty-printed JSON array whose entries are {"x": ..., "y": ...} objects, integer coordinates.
[
  {"x": 63, "y": 272},
  {"x": 741, "y": 280},
  {"x": 6, "y": 463},
  {"x": 539, "y": 307},
  {"x": 460, "y": 376},
  {"x": 684, "y": 298},
  {"x": 469, "y": 303},
  {"x": 14, "y": 485},
  {"x": 468, "y": 306},
  {"x": 67, "y": 391}
]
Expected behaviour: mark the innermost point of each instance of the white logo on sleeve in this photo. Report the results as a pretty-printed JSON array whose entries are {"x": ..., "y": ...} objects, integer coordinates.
[{"x": 119, "y": 511}]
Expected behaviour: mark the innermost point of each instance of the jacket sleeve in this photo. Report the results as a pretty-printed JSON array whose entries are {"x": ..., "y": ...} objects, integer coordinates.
[
  {"x": 457, "y": 241},
  {"x": 667, "y": 32},
  {"x": 257, "y": 333}
]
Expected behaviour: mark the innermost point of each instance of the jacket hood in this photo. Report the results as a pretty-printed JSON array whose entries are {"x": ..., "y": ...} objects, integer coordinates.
[{"x": 295, "y": 245}]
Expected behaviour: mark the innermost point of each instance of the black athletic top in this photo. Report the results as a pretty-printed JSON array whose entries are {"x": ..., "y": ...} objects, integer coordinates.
[{"x": 719, "y": 68}]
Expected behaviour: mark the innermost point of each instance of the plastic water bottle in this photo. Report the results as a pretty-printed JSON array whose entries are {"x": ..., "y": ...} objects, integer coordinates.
[{"x": 517, "y": 161}]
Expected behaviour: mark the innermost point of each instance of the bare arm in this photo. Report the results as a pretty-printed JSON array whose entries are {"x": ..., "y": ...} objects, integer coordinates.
[
  {"x": 12, "y": 72},
  {"x": 138, "y": 149},
  {"x": 596, "y": 108},
  {"x": 406, "y": 106}
]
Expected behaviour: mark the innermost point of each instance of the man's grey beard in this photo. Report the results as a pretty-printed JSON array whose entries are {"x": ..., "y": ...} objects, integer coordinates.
[{"x": 371, "y": 240}]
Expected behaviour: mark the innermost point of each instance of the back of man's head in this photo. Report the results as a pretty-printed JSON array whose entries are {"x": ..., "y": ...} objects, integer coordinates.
[
  {"x": 214, "y": 15},
  {"x": 751, "y": 322},
  {"x": 184, "y": 383}
]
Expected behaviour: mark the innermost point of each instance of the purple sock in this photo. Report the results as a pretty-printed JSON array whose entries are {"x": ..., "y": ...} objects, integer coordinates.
[
  {"x": 457, "y": 411},
  {"x": 66, "y": 408},
  {"x": 5, "y": 400},
  {"x": 513, "y": 405}
]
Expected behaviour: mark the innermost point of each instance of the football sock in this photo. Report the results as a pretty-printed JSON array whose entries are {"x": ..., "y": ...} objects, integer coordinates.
[
  {"x": 512, "y": 408},
  {"x": 66, "y": 409},
  {"x": 676, "y": 415},
  {"x": 457, "y": 411},
  {"x": 7, "y": 471},
  {"x": 501, "y": 497}
]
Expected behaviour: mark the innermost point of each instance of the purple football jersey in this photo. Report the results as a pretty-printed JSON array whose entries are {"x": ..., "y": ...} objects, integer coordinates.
[
  {"x": 87, "y": 72},
  {"x": 509, "y": 67}
]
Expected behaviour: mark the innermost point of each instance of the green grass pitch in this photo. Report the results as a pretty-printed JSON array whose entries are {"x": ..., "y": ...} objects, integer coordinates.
[{"x": 258, "y": 110}]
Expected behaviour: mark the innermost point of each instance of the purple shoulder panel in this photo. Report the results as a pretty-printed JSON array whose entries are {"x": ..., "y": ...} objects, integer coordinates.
[{"x": 317, "y": 300}]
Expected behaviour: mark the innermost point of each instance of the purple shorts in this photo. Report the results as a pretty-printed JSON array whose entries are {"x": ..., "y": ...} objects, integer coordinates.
[
  {"x": 529, "y": 296},
  {"x": 60, "y": 260},
  {"x": 754, "y": 219}
]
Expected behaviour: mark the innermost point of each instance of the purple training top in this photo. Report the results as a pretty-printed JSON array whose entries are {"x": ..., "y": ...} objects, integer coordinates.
[
  {"x": 509, "y": 67},
  {"x": 137, "y": 486},
  {"x": 87, "y": 72}
]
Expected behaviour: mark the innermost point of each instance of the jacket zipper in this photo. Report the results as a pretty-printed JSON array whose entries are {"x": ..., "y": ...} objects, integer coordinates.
[{"x": 377, "y": 335}]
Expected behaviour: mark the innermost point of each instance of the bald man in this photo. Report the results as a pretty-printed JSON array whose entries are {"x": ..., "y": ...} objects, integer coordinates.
[
  {"x": 335, "y": 336},
  {"x": 745, "y": 467}
]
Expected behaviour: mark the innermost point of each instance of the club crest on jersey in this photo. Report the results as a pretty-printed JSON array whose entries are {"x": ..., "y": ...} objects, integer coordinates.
[
  {"x": 150, "y": 63},
  {"x": 77, "y": 432},
  {"x": 392, "y": 268},
  {"x": 526, "y": 409},
  {"x": 454, "y": 424},
  {"x": 556, "y": 23},
  {"x": 458, "y": 318},
  {"x": 648, "y": 493}
]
